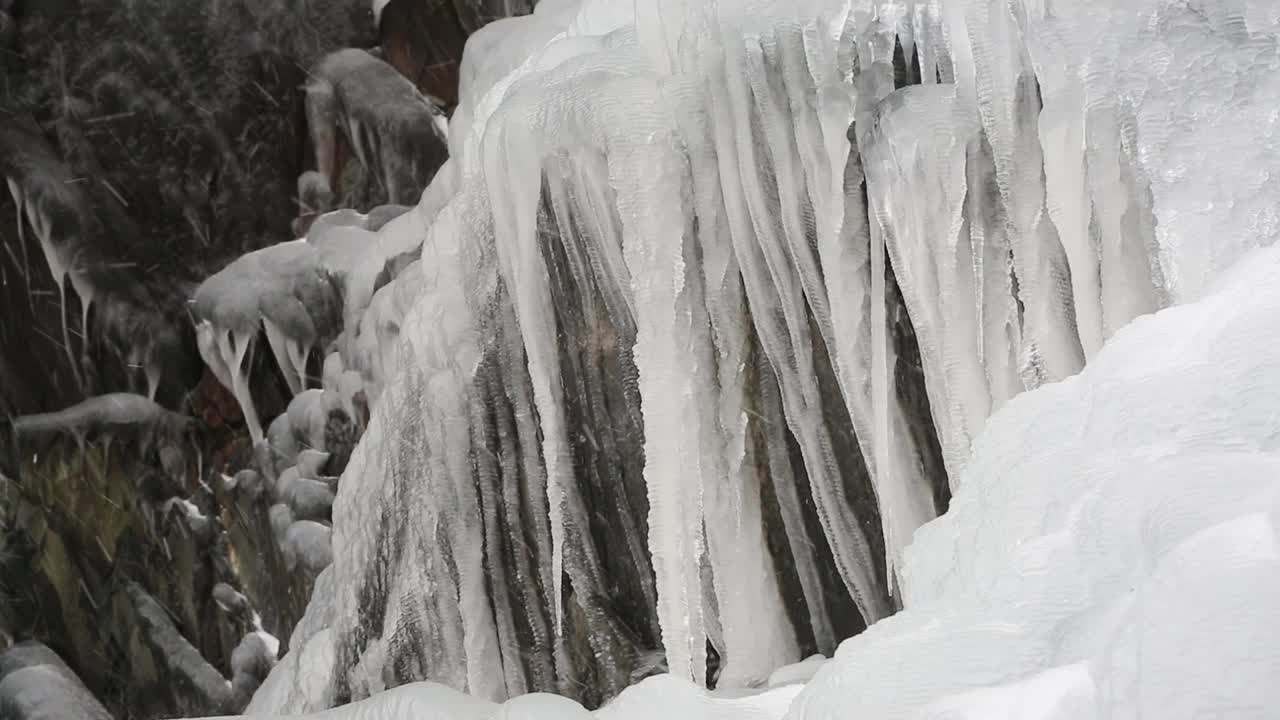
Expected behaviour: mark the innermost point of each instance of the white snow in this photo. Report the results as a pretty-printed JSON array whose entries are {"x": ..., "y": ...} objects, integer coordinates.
[
  {"x": 189, "y": 509},
  {"x": 797, "y": 673}
]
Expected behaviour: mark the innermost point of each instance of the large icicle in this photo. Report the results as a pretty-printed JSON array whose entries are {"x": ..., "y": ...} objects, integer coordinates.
[
  {"x": 916, "y": 166},
  {"x": 749, "y": 605}
]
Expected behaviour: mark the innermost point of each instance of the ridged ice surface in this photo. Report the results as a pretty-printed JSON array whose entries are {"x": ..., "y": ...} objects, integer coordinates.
[{"x": 714, "y": 304}]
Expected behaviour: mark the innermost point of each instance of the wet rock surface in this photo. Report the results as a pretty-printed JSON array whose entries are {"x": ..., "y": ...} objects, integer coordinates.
[{"x": 145, "y": 145}]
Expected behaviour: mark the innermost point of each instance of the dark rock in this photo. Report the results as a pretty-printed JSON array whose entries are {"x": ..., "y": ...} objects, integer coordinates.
[
  {"x": 424, "y": 40},
  {"x": 179, "y": 672},
  {"x": 340, "y": 438}
]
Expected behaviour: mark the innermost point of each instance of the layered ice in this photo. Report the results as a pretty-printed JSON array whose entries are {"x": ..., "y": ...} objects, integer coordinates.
[{"x": 711, "y": 310}]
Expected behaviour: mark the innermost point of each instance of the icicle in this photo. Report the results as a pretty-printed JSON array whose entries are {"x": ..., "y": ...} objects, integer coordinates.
[
  {"x": 276, "y": 342},
  {"x": 20, "y": 199},
  {"x": 540, "y": 657},
  {"x": 994, "y": 74},
  {"x": 1061, "y": 131},
  {"x": 15, "y": 190},
  {"x": 882, "y": 379},
  {"x": 152, "y": 371},
  {"x": 917, "y": 166},
  {"x": 906, "y": 30},
  {"x": 235, "y": 350},
  {"x": 59, "y": 271},
  {"x": 80, "y": 282},
  {"x": 513, "y": 172},
  {"x": 781, "y": 317},
  {"x": 532, "y": 472},
  {"x": 784, "y": 484},
  {"x": 299, "y": 354},
  {"x": 288, "y": 356},
  {"x": 211, "y": 353},
  {"x": 1126, "y": 286}
]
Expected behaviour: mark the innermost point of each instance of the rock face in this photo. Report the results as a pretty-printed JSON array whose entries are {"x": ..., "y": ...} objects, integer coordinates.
[
  {"x": 86, "y": 532},
  {"x": 144, "y": 145}
]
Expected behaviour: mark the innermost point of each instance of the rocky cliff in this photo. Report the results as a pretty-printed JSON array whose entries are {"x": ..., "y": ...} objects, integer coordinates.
[{"x": 145, "y": 145}]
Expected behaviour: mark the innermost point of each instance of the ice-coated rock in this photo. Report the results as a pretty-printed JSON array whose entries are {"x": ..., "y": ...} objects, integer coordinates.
[
  {"x": 716, "y": 316},
  {"x": 306, "y": 545}
]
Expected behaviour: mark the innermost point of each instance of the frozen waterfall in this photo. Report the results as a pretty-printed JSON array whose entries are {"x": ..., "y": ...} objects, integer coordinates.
[{"x": 715, "y": 305}]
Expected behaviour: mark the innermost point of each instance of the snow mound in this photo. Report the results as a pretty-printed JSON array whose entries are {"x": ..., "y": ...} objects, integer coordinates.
[{"x": 658, "y": 696}]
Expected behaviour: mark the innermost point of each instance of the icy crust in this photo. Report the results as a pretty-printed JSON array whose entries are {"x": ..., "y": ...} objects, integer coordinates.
[{"x": 1114, "y": 549}]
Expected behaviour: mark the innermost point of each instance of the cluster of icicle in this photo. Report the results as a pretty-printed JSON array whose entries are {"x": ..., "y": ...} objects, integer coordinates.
[
  {"x": 318, "y": 292},
  {"x": 339, "y": 292},
  {"x": 60, "y": 215},
  {"x": 711, "y": 196}
]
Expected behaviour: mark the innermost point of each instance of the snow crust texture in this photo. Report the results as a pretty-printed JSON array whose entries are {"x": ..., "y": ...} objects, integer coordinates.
[{"x": 640, "y": 365}]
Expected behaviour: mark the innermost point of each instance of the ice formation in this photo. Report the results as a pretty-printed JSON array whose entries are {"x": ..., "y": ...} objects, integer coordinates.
[
  {"x": 710, "y": 311},
  {"x": 1113, "y": 550}
]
